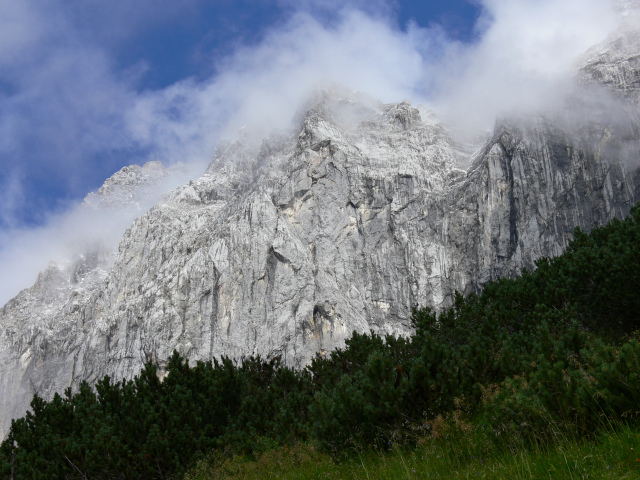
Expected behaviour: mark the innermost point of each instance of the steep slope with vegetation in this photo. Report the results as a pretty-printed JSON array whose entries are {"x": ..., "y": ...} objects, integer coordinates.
[{"x": 552, "y": 352}]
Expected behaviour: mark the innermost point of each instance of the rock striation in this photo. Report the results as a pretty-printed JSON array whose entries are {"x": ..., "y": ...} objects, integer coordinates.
[{"x": 345, "y": 224}]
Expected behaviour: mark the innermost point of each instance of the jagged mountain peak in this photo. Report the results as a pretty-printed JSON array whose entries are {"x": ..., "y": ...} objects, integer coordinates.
[
  {"x": 128, "y": 183},
  {"x": 385, "y": 138}
]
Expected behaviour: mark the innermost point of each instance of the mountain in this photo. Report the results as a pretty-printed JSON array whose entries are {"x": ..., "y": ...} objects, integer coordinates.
[{"x": 285, "y": 246}]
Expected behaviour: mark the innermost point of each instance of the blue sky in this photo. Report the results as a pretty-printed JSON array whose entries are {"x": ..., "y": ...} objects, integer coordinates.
[{"x": 89, "y": 86}]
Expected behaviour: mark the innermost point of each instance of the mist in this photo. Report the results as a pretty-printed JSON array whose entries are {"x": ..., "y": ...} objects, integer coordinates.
[
  {"x": 525, "y": 61},
  {"x": 72, "y": 97},
  {"x": 25, "y": 252}
]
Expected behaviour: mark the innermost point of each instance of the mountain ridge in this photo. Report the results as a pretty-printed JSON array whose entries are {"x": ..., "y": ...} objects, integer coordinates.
[{"x": 286, "y": 246}]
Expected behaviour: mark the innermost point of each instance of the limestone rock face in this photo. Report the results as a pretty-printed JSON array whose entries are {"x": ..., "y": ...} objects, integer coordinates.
[{"x": 345, "y": 224}]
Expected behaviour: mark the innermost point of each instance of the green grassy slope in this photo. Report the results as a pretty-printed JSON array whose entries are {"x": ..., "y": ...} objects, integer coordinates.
[{"x": 614, "y": 455}]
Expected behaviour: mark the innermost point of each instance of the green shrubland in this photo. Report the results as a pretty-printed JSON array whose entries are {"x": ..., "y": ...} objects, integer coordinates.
[{"x": 551, "y": 356}]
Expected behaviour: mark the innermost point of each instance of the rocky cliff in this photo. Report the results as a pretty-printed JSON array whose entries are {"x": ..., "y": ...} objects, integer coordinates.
[{"x": 286, "y": 247}]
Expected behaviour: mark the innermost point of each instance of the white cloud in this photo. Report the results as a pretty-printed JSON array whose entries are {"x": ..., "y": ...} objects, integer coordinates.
[
  {"x": 524, "y": 61},
  {"x": 25, "y": 252},
  {"x": 264, "y": 86}
]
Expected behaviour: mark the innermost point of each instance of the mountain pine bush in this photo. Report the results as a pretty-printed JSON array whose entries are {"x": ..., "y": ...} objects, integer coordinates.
[{"x": 554, "y": 350}]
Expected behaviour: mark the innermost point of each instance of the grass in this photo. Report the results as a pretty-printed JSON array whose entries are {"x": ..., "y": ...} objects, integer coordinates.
[{"x": 613, "y": 455}]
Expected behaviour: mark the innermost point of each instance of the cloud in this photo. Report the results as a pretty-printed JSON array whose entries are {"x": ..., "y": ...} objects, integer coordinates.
[
  {"x": 60, "y": 103},
  {"x": 524, "y": 61},
  {"x": 71, "y": 115},
  {"x": 63, "y": 102},
  {"x": 264, "y": 86},
  {"x": 26, "y": 251}
]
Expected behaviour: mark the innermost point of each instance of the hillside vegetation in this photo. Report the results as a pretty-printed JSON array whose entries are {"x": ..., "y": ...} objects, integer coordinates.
[{"x": 536, "y": 360}]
